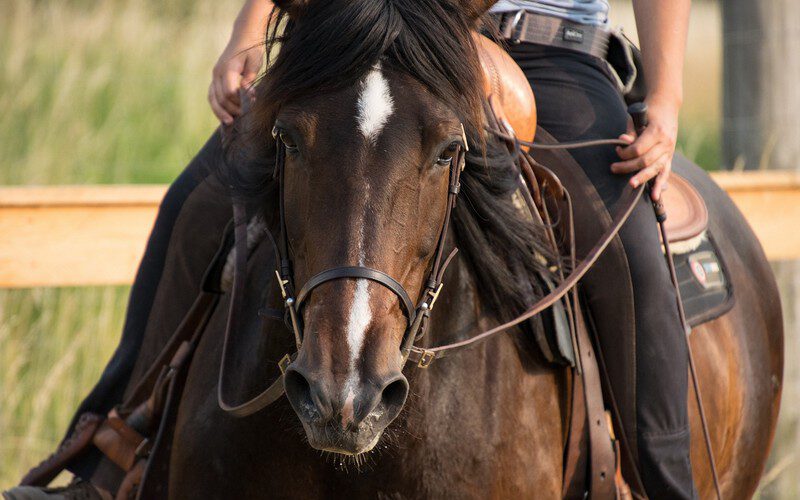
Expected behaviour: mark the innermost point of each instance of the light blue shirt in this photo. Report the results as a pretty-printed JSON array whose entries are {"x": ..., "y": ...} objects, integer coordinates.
[{"x": 591, "y": 12}]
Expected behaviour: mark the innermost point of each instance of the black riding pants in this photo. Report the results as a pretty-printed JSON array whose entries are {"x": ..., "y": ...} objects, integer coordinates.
[
  {"x": 576, "y": 99},
  {"x": 110, "y": 388}
]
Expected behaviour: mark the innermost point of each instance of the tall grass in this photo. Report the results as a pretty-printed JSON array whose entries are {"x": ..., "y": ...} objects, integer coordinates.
[
  {"x": 53, "y": 345},
  {"x": 90, "y": 92},
  {"x": 105, "y": 91}
]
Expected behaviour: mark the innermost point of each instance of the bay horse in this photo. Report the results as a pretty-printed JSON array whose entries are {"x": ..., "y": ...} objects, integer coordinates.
[{"x": 367, "y": 99}]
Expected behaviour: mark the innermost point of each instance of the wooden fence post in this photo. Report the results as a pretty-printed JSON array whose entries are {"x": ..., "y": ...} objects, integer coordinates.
[
  {"x": 761, "y": 129},
  {"x": 761, "y": 73}
]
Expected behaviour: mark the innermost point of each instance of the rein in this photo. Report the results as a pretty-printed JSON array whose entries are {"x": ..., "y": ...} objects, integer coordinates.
[{"x": 424, "y": 357}]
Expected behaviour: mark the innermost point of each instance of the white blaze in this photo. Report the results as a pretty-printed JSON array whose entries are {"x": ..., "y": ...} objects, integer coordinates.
[
  {"x": 373, "y": 109},
  {"x": 375, "y": 104},
  {"x": 360, "y": 317}
]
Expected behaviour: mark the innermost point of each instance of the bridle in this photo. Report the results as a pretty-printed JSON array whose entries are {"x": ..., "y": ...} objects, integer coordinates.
[{"x": 417, "y": 316}]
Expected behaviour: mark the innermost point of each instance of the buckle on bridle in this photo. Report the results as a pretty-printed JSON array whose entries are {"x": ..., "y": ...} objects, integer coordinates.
[
  {"x": 284, "y": 363},
  {"x": 510, "y": 28},
  {"x": 143, "y": 450},
  {"x": 282, "y": 283},
  {"x": 434, "y": 295},
  {"x": 426, "y": 358}
]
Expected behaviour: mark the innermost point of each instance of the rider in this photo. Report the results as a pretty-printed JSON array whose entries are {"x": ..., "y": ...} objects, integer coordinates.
[{"x": 576, "y": 99}]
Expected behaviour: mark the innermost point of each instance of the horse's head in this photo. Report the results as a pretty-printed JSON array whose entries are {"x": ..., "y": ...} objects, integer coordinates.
[
  {"x": 367, "y": 99},
  {"x": 365, "y": 185}
]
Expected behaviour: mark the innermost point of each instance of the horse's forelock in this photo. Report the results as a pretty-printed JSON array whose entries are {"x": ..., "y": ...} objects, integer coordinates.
[{"x": 332, "y": 44}]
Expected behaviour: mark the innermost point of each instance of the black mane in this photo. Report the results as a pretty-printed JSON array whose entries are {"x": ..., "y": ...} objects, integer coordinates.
[{"x": 331, "y": 44}]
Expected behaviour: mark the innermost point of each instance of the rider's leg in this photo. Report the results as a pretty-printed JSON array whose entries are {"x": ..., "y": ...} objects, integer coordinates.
[
  {"x": 577, "y": 100},
  {"x": 110, "y": 388}
]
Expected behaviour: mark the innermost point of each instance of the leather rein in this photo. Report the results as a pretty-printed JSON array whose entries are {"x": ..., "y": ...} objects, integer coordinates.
[{"x": 417, "y": 316}]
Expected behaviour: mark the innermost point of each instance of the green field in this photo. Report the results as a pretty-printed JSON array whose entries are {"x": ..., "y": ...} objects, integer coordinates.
[
  {"x": 91, "y": 92},
  {"x": 114, "y": 92}
]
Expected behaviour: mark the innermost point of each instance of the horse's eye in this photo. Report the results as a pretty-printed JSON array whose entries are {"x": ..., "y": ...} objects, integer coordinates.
[
  {"x": 446, "y": 158},
  {"x": 288, "y": 142}
]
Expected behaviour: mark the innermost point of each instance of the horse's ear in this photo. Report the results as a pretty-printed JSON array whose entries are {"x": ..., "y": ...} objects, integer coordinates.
[{"x": 292, "y": 7}]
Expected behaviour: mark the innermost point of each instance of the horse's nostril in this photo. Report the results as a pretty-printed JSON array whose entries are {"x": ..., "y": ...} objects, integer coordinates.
[
  {"x": 394, "y": 394},
  {"x": 298, "y": 391}
]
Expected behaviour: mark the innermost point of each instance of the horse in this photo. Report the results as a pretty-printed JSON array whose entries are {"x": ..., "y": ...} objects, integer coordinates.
[{"x": 367, "y": 100}]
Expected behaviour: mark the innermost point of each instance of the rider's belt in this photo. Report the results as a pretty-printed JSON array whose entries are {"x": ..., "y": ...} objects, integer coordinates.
[{"x": 522, "y": 26}]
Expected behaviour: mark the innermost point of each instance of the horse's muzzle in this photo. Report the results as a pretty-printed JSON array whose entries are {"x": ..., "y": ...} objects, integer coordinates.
[{"x": 348, "y": 420}]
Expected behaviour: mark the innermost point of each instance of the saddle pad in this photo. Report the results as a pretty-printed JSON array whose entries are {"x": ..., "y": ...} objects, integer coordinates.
[{"x": 705, "y": 289}]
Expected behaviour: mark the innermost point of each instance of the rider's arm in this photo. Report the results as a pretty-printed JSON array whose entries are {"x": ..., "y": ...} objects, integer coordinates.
[
  {"x": 662, "y": 28},
  {"x": 239, "y": 63}
]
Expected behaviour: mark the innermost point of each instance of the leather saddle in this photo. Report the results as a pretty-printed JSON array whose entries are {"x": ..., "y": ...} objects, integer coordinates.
[{"x": 513, "y": 100}]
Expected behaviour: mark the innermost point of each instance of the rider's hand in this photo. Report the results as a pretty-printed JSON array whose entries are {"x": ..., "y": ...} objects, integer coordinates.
[
  {"x": 650, "y": 155},
  {"x": 236, "y": 69}
]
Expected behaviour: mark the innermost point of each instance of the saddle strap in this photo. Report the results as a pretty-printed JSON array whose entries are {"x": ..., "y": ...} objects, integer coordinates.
[
  {"x": 575, "y": 456},
  {"x": 604, "y": 455},
  {"x": 601, "y": 449},
  {"x": 120, "y": 442}
]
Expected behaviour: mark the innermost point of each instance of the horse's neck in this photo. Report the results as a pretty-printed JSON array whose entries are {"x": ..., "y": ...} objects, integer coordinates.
[{"x": 495, "y": 395}]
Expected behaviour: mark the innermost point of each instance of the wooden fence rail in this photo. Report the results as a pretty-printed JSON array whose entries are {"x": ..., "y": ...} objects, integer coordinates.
[{"x": 94, "y": 235}]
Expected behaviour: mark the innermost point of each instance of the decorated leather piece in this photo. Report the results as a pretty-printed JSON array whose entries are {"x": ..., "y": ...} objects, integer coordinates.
[{"x": 705, "y": 288}]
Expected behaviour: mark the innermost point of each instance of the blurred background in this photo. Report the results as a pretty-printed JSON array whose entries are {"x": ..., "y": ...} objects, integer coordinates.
[{"x": 100, "y": 92}]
